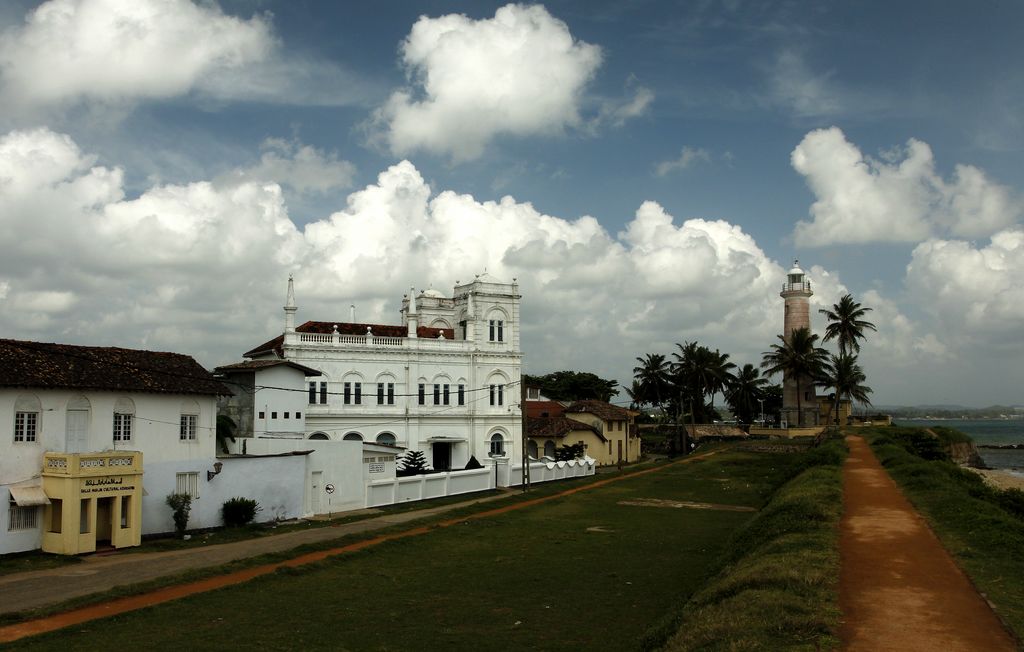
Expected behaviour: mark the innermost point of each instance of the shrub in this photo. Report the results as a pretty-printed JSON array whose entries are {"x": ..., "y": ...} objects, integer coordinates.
[
  {"x": 568, "y": 452},
  {"x": 239, "y": 511},
  {"x": 473, "y": 463},
  {"x": 181, "y": 505}
]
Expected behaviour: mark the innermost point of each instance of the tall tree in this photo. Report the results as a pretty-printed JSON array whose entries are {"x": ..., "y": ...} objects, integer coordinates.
[
  {"x": 798, "y": 357},
  {"x": 652, "y": 374},
  {"x": 745, "y": 389},
  {"x": 843, "y": 374},
  {"x": 846, "y": 325},
  {"x": 573, "y": 386}
]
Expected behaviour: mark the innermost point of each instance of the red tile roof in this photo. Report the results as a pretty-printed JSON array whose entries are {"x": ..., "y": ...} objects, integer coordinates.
[
  {"x": 66, "y": 366},
  {"x": 557, "y": 427},
  {"x": 255, "y": 365},
  {"x": 604, "y": 411},
  {"x": 327, "y": 327}
]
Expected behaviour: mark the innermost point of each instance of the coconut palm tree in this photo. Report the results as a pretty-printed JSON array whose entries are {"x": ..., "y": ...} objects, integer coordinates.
[
  {"x": 653, "y": 376},
  {"x": 844, "y": 375},
  {"x": 744, "y": 391},
  {"x": 846, "y": 325},
  {"x": 797, "y": 357}
]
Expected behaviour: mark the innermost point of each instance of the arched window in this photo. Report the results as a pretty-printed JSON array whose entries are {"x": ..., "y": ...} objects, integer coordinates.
[
  {"x": 27, "y": 412},
  {"x": 352, "y": 436},
  {"x": 549, "y": 449},
  {"x": 531, "y": 449},
  {"x": 124, "y": 413},
  {"x": 320, "y": 436},
  {"x": 497, "y": 445},
  {"x": 387, "y": 438}
]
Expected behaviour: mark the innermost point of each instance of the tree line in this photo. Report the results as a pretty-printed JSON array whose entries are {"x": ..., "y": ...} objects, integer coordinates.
[{"x": 685, "y": 385}]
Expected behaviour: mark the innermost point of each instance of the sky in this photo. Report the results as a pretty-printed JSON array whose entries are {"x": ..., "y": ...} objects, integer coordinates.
[{"x": 647, "y": 171}]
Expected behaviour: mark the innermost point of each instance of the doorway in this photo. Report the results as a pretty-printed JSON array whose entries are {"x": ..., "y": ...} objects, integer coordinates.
[
  {"x": 442, "y": 456},
  {"x": 104, "y": 520},
  {"x": 620, "y": 451},
  {"x": 314, "y": 491}
]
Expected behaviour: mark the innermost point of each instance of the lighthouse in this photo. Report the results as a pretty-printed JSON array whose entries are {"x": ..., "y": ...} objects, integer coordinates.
[{"x": 796, "y": 292}]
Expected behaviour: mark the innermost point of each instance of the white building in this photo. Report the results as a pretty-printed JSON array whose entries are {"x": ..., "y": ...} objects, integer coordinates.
[
  {"x": 93, "y": 439},
  {"x": 446, "y": 381}
]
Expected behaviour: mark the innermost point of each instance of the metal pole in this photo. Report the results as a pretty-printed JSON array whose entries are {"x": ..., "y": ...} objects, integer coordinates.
[{"x": 522, "y": 417}]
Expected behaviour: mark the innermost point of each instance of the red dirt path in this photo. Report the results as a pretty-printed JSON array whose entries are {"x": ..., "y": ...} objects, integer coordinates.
[
  {"x": 132, "y": 603},
  {"x": 899, "y": 589}
]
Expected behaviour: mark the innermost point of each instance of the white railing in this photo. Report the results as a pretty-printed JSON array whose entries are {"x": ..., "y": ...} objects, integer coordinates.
[{"x": 371, "y": 341}]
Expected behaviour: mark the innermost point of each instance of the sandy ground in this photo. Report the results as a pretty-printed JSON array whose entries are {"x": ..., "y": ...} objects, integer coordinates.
[{"x": 1000, "y": 479}]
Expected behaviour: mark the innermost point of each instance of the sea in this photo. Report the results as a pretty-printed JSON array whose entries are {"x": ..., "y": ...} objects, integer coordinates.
[{"x": 994, "y": 432}]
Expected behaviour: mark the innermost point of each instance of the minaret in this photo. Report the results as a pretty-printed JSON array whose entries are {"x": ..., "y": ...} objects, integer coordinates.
[
  {"x": 797, "y": 293},
  {"x": 290, "y": 307},
  {"x": 412, "y": 318}
]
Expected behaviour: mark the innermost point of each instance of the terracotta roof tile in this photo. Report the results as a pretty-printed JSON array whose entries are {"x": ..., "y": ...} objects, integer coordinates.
[
  {"x": 557, "y": 427},
  {"x": 544, "y": 409},
  {"x": 67, "y": 366},
  {"x": 254, "y": 365},
  {"x": 605, "y": 411}
]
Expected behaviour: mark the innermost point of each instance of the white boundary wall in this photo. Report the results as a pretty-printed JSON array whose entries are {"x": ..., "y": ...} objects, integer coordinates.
[
  {"x": 423, "y": 487},
  {"x": 512, "y": 475}
]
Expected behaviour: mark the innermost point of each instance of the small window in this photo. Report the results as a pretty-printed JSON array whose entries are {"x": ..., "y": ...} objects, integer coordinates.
[
  {"x": 386, "y": 438},
  {"x": 496, "y": 330},
  {"x": 84, "y": 520},
  {"x": 347, "y": 394},
  {"x": 263, "y": 415},
  {"x": 56, "y": 515},
  {"x": 462, "y": 394},
  {"x": 497, "y": 445},
  {"x": 358, "y": 387},
  {"x": 287, "y": 415},
  {"x": 391, "y": 393},
  {"x": 312, "y": 393},
  {"x": 21, "y": 518},
  {"x": 380, "y": 393},
  {"x": 25, "y": 426},
  {"x": 298, "y": 415},
  {"x": 501, "y": 395},
  {"x": 437, "y": 394},
  {"x": 446, "y": 395},
  {"x": 187, "y": 483},
  {"x": 422, "y": 394},
  {"x": 273, "y": 415},
  {"x": 122, "y": 427},
  {"x": 189, "y": 426},
  {"x": 323, "y": 393},
  {"x": 352, "y": 436}
]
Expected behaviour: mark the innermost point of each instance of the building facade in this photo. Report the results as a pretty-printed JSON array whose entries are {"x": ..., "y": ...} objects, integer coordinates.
[
  {"x": 445, "y": 381},
  {"x": 93, "y": 438}
]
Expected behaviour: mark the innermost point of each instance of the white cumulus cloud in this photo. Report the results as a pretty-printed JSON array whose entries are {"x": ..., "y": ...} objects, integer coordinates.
[
  {"x": 302, "y": 168},
  {"x": 113, "y": 51},
  {"x": 518, "y": 73},
  {"x": 899, "y": 197},
  {"x": 688, "y": 157}
]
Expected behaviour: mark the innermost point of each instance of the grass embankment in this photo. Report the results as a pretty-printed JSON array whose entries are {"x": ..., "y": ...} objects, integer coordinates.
[
  {"x": 590, "y": 570},
  {"x": 778, "y": 590},
  {"x": 981, "y": 526}
]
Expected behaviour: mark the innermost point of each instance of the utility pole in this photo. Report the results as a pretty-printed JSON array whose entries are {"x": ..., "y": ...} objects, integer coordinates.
[{"x": 522, "y": 416}]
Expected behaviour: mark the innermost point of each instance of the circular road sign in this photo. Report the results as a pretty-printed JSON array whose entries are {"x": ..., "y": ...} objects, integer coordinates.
[{"x": 329, "y": 488}]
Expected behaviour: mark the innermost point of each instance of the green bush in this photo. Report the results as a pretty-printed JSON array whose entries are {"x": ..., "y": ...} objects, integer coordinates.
[
  {"x": 181, "y": 505},
  {"x": 239, "y": 511}
]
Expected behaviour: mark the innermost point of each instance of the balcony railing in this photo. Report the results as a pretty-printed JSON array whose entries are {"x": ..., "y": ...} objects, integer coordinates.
[
  {"x": 805, "y": 286},
  {"x": 101, "y": 463}
]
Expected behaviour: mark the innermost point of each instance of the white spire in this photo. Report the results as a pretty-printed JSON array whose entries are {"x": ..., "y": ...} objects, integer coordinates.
[{"x": 290, "y": 307}]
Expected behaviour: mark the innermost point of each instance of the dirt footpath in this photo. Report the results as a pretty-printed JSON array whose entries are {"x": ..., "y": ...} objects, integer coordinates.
[{"x": 899, "y": 589}]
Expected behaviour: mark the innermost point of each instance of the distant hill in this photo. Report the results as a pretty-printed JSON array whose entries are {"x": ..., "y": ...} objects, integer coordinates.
[{"x": 946, "y": 411}]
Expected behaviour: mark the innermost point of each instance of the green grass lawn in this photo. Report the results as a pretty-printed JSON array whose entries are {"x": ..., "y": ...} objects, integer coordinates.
[{"x": 582, "y": 571}]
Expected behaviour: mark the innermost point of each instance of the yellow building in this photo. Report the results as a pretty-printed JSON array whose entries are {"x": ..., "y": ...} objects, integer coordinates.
[
  {"x": 94, "y": 497},
  {"x": 607, "y": 432}
]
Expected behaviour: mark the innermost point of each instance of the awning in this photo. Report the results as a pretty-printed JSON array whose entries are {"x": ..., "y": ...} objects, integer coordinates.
[
  {"x": 441, "y": 440},
  {"x": 30, "y": 496}
]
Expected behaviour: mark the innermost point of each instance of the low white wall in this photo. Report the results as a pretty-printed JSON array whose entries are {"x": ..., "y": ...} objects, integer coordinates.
[
  {"x": 423, "y": 487},
  {"x": 511, "y": 475}
]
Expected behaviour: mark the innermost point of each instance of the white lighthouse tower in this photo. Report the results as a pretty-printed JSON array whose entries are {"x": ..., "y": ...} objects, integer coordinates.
[{"x": 796, "y": 292}]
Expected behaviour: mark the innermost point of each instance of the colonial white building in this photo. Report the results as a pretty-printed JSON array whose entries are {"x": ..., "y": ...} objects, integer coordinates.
[{"x": 445, "y": 381}]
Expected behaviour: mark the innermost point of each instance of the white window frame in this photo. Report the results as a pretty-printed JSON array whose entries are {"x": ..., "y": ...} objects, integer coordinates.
[
  {"x": 26, "y": 426},
  {"x": 497, "y": 445},
  {"x": 189, "y": 430},
  {"x": 187, "y": 483},
  {"x": 123, "y": 426}
]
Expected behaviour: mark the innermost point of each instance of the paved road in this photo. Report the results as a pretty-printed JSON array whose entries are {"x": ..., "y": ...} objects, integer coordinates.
[
  {"x": 899, "y": 589},
  {"x": 23, "y": 591}
]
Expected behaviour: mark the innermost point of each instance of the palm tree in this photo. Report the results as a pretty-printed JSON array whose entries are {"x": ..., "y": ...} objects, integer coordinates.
[
  {"x": 744, "y": 392},
  {"x": 653, "y": 376},
  {"x": 844, "y": 375},
  {"x": 797, "y": 357},
  {"x": 846, "y": 325},
  {"x": 721, "y": 375},
  {"x": 636, "y": 395}
]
